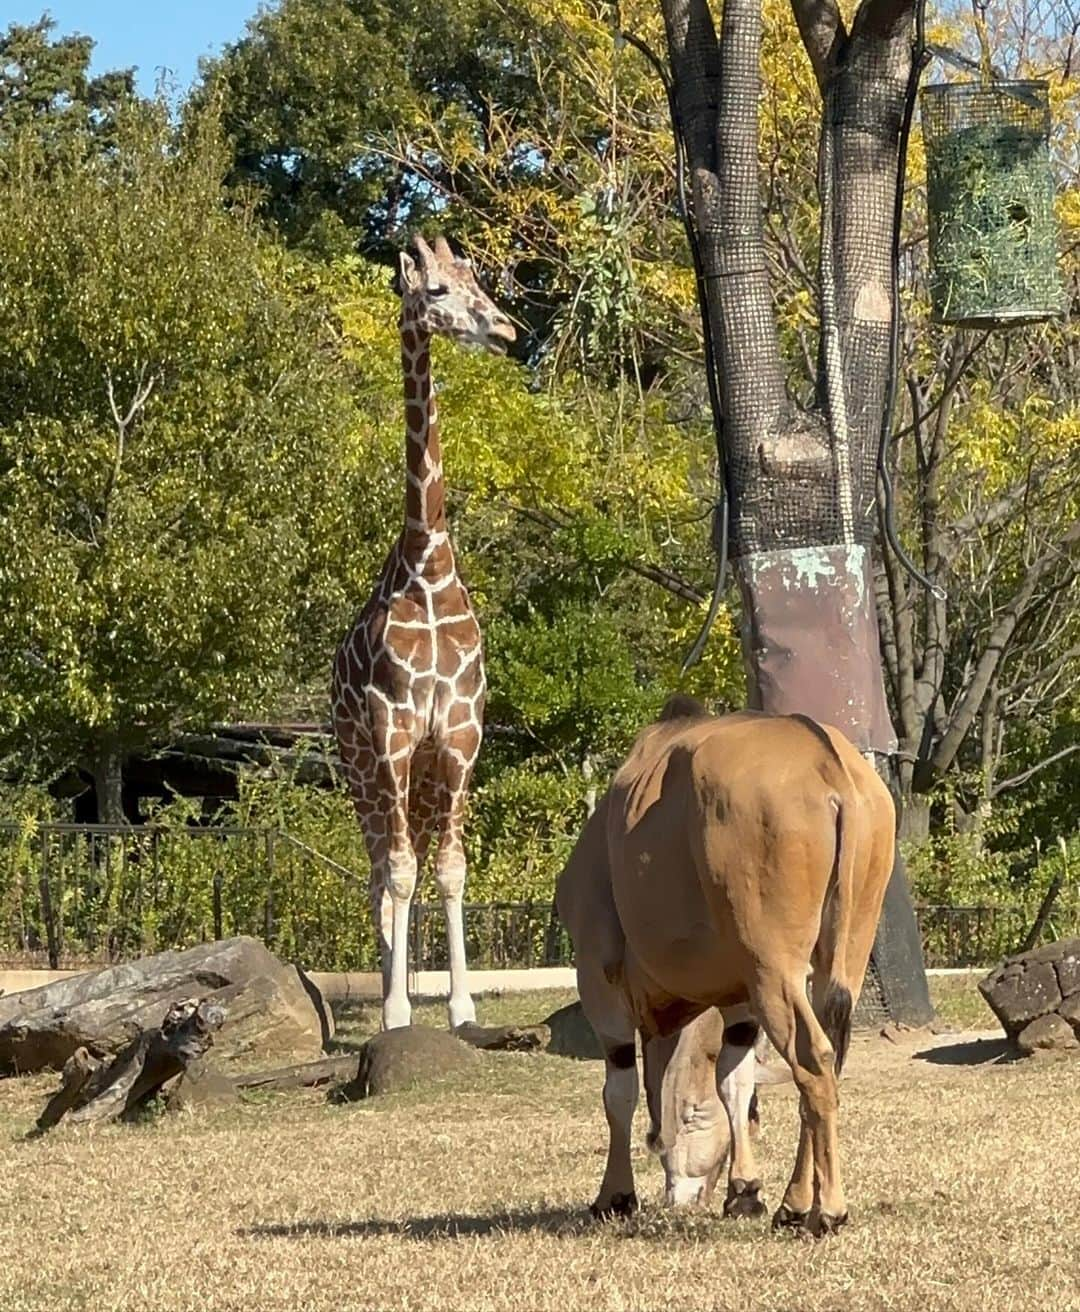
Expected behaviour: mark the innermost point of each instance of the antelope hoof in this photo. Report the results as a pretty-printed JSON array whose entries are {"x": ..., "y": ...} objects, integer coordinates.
[
  {"x": 618, "y": 1205},
  {"x": 785, "y": 1218},
  {"x": 744, "y": 1199},
  {"x": 822, "y": 1224}
]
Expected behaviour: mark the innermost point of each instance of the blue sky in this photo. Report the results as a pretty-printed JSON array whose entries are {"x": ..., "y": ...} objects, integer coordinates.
[{"x": 147, "y": 34}]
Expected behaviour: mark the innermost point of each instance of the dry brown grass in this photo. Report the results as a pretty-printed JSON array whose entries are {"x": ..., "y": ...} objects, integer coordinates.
[
  {"x": 962, "y": 1182},
  {"x": 958, "y": 1002}
]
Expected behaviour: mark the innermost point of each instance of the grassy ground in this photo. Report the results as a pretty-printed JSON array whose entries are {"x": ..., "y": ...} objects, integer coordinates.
[
  {"x": 358, "y": 1021},
  {"x": 958, "y": 1002},
  {"x": 473, "y": 1195},
  {"x": 956, "y": 998}
]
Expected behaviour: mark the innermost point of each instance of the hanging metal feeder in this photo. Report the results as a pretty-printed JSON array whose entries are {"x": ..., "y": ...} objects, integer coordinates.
[{"x": 990, "y": 194}]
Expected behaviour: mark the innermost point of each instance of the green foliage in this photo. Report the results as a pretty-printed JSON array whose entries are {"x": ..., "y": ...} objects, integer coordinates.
[
  {"x": 976, "y": 860},
  {"x": 523, "y": 823},
  {"x": 321, "y": 96},
  {"x": 963, "y": 866},
  {"x": 168, "y": 414},
  {"x": 282, "y": 862},
  {"x": 46, "y": 88}
]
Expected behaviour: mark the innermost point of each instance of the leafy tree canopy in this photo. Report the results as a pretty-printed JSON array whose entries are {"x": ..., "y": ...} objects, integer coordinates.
[
  {"x": 45, "y": 83},
  {"x": 170, "y": 405}
]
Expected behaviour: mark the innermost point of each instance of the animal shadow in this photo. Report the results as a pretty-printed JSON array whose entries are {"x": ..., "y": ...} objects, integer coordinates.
[
  {"x": 556, "y": 1221},
  {"x": 977, "y": 1052}
]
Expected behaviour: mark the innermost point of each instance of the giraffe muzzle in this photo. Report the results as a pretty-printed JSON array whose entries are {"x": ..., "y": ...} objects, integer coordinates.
[{"x": 500, "y": 336}]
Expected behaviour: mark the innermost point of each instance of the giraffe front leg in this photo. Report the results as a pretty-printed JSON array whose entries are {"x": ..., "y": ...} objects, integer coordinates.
[
  {"x": 361, "y": 769},
  {"x": 450, "y": 881},
  {"x": 401, "y": 880},
  {"x": 397, "y": 883},
  {"x": 382, "y": 914}
]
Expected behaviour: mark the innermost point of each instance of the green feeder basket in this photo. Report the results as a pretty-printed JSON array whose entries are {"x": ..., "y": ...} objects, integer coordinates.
[{"x": 990, "y": 194}]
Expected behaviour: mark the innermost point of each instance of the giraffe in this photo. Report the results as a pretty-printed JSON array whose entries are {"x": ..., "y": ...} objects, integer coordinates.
[{"x": 408, "y": 683}]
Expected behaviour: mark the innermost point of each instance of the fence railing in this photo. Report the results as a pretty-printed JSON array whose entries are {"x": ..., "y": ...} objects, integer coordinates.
[
  {"x": 72, "y": 895},
  {"x": 75, "y": 895}
]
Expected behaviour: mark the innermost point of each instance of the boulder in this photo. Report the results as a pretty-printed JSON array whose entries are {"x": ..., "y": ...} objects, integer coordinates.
[
  {"x": 1068, "y": 968},
  {"x": 1036, "y": 996},
  {"x": 270, "y": 1012},
  {"x": 399, "y": 1059},
  {"x": 572, "y": 1035},
  {"x": 1048, "y": 1032},
  {"x": 1022, "y": 995},
  {"x": 1070, "y": 1011}
]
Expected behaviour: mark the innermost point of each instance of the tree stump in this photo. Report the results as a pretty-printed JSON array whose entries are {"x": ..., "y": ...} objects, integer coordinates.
[{"x": 93, "y": 1090}]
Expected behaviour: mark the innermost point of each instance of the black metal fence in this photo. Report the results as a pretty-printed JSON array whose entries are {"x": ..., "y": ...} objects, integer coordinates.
[
  {"x": 74, "y": 895},
  {"x": 981, "y": 935}
]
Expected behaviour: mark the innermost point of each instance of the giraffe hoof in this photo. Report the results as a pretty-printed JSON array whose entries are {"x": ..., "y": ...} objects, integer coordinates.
[
  {"x": 744, "y": 1199},
  {"x": 461, "y": 1013},
  {"x": 617, "y": 1205}
]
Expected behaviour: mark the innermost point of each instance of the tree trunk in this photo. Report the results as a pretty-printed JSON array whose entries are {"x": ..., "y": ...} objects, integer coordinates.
[
  {"x": 109, "y": 784},
  {"x": 802, "y": 487},
  {"x": 914, "y": 816}
]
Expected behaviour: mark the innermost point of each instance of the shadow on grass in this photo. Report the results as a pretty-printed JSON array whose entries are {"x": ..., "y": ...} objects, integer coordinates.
[
  {"x": 555, "y": 1221},
  {"x": 977, "y": 1052},
  {"x": 656, "y": 1224}
]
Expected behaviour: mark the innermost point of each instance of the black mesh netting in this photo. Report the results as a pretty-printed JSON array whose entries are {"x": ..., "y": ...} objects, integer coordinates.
[
  {"x": 805, "y": 479},
  {"x": 871, "y": 1011}
]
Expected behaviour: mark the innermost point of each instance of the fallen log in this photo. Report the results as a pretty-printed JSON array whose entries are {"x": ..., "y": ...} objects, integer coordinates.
[
  {"x": 273, "y": 1012},
  {"x": 307, "y": 1075},
  {"x": 503, "y": 1038},
  {"x": 92, "y": 1090},
  {"x": 77, "y": 1070}
]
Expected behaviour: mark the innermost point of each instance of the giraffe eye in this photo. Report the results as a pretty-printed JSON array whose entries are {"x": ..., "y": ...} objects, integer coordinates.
[{"x": 441, "y": 290}]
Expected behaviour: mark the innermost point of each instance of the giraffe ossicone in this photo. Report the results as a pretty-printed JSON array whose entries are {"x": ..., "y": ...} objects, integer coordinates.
[{"x": 408, "y": 682}]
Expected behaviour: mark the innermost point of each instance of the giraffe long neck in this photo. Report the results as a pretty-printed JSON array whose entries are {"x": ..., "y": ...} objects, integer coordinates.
[{"x": 425, "y": 494}]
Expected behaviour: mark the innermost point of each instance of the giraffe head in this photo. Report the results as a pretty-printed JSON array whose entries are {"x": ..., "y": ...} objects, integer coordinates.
[{"x": 440, "y": 294}]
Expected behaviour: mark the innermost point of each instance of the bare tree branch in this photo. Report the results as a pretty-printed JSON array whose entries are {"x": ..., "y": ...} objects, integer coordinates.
[
  {"x": 1047, "y": 673},
  {"x": 968, "y": 705},
  {"x": 1017, "y": 779},
  {"x": 143, "y": 387}
]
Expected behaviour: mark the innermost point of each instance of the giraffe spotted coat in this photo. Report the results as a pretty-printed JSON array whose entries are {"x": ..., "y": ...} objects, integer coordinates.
[{"x": 408, "y": 683}]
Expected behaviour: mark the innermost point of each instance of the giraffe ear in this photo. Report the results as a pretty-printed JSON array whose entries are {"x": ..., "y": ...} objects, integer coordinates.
[{"x": 408, "y": 276}]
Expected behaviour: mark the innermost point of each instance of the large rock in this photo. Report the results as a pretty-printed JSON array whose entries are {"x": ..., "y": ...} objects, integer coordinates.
[
  {"x": 572, "y": 1035},
  {"x": 1036, "y": 996},
  {"x": 1067, "y": 967},
  {"x": 399, "y": 1059},
  {"x": 270, "y": 1011},
  {"x": 1045, "y": 1033}
]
